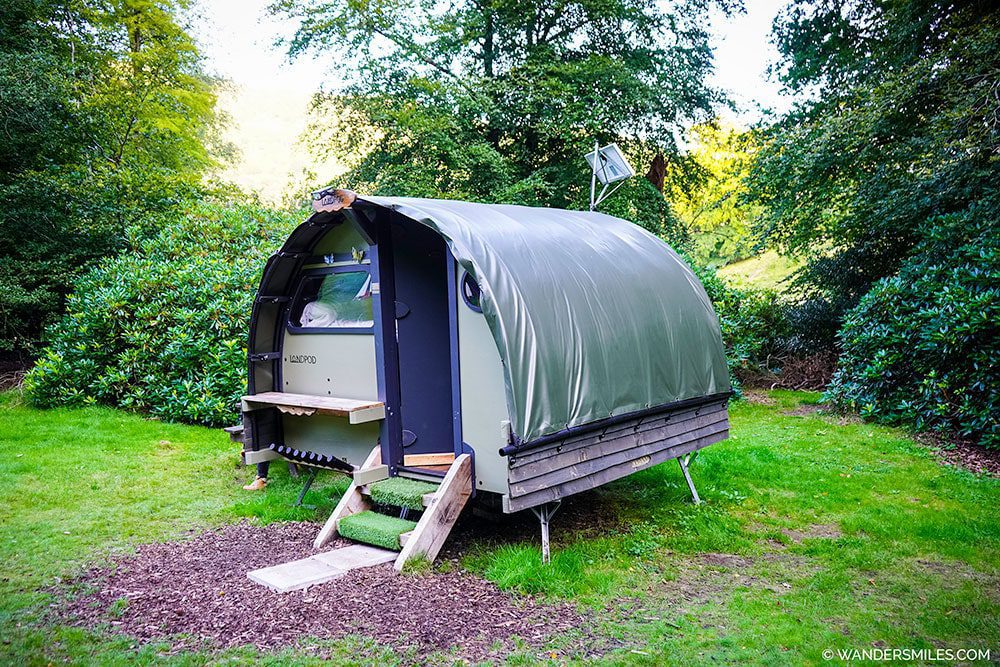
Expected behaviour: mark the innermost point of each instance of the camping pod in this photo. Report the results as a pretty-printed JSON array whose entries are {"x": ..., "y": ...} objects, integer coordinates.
[{"x": 530, "y": 353}]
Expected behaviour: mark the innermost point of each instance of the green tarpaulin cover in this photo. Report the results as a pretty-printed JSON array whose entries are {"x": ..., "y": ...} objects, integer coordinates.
[{"x": 593, "y": 315}]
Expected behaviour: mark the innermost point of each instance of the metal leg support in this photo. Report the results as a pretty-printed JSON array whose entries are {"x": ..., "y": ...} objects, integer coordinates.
[
  {"x": 684, "y": 461},
  {"x": 305, "y": 487},
  {"x": 545, "y": 513}
]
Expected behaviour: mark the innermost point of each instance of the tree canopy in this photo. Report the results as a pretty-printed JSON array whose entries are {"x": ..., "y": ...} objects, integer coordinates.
[
  {"x": 107, "y": 122},
  {"x": 900, "y": 126},
  {"x": 709, "y": 197},
  {"x": 498, "y": 100}
]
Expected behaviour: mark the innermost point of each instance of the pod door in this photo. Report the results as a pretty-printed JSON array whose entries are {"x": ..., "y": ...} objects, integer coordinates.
[{"x": 422, "y": 342}]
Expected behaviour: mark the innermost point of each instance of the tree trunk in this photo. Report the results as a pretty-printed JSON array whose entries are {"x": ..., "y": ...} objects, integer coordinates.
[{"x": 657, "y": 172}]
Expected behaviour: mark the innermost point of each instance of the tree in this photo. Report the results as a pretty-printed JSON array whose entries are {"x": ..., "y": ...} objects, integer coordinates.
[
  {"x": 899, "y": 128},
  {"x": 106, "y": 122},
  {"x": 498, "y": 100},
  {"x": 712, "y": 203}
]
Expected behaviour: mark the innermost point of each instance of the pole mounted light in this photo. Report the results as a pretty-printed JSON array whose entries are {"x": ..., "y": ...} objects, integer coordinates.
[{"x": 609, "y": 166}]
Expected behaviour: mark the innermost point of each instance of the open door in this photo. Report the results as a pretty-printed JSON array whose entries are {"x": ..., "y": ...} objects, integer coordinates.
[{"x": 419, "y": 371}]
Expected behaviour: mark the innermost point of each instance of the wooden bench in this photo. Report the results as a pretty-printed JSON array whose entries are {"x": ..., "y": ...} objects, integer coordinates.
[{"x": 357, "y": 412}]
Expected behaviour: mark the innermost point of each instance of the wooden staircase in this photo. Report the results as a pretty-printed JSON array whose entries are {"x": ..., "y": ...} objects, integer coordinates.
[{"x": 441, "y": 509}]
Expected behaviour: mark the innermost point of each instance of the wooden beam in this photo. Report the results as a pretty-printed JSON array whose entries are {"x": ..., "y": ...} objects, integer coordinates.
[
  {"x": 352, "y": 502},
  {"x": 423, "y": 460},
  {"x": 370, "y": 414},
  {"x": 251, "y": 457},
  {"x": 437, "y": 521},
  {"x": 369, "y": 474}
]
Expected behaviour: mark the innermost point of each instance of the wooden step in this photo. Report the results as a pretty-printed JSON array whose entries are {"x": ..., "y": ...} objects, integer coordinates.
[
  {"x": 439, "y": 518},
  {"x": 426, "y": 500},
  {"x": 428, "y": 460},
  {"x": 351, "y": 502},
  {"x": 401, "y": 492},
  {"x": 357, "y": 412},
  {"x": 441, "y": 510},
  {"x": 380, "y": 530}
]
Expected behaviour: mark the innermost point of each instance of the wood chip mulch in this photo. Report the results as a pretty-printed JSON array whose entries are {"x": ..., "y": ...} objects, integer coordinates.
[
  {"x": 961, "y": 454},
  {"x": 195, "y": 594}
]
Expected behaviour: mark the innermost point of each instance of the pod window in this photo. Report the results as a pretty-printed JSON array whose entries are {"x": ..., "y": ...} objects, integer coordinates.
[
  {"x": 333, "y": 302},
  {"x": 471, "y": 293}
]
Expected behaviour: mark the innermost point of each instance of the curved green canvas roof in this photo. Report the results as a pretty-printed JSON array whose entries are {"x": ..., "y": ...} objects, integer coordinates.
[{"x": 593, "y": 316}]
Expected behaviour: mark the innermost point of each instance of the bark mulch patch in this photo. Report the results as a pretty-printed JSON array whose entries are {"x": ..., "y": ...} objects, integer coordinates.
[
  {"x": 195, "y": 594},
  {"x": 962, "y": 454}
]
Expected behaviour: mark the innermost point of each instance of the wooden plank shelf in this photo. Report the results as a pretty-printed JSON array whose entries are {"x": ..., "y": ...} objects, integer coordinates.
[{"x": 357, "y": 412}]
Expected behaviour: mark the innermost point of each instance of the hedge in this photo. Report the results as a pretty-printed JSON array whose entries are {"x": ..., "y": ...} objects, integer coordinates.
[
  {"x": 162, "y": 328},
  {"x": 923, "y": 348}
]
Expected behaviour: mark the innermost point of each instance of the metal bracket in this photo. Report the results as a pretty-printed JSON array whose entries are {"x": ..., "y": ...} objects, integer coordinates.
[
  {"x": 545, "y": 513},
  {"x": 684, "y": 462},
  {"x": 305, "y": 489}
]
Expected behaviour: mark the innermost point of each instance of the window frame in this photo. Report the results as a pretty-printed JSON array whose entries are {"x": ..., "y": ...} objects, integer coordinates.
[
  {"x": 304, "y": 277},
  {"x": 461, "y": 288}
]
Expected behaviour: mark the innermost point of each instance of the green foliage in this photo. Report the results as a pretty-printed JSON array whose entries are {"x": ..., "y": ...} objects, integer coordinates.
[
  {"x": 923, "y": 347},
  {"x": 401, "y": 492},
  {"x": 380, "y": 530},
  {"x": 499, "y": 101},
  {"x": 162, "y": 327},
  {"x": 898, "y": 128},
  {"x": 106, "y": 118},
  {"x": 753, "y": 322},
  {"x": 712, "y": 203}
]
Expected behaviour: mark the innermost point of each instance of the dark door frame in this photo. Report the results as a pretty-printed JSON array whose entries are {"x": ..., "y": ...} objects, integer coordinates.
[{"x": 387, "y": 348}]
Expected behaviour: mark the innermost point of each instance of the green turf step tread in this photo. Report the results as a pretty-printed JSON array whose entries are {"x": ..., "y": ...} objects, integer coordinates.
[
  {"x": 401, "y": 492},
  {"x": 376, "y": 529}
]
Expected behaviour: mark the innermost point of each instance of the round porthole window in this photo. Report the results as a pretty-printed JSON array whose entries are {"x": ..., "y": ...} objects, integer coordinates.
[{"x": 471, "y": 293}]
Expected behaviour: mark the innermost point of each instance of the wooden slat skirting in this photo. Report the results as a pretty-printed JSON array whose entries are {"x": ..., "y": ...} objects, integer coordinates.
[
  {"x": 515, "y": 504},
  {"x": 585, "y": 461},
  {"x": 592, "y": 437}
]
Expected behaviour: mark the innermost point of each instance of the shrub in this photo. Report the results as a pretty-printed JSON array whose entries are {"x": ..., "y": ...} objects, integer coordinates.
[
  {"x": 163, "y": 327},
  {"x": 812, "y": 326},
  {"x": 923, "y": 347},
  {"x": 753, "y": 323}
]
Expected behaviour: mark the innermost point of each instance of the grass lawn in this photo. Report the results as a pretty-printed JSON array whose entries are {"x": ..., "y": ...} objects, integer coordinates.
[
  {"x": 768, "y": 269},
  {"x": 814, "y": 534}
]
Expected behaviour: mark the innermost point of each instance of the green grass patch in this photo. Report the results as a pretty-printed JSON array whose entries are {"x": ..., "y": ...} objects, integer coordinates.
[
  {"x": 815, "y": 533},
  {"x": 768, "y": 269},
  {"x": 374, "y": 528},
  {"x": 401, "y": 492},
  {"x": 79, "y": 485}
]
